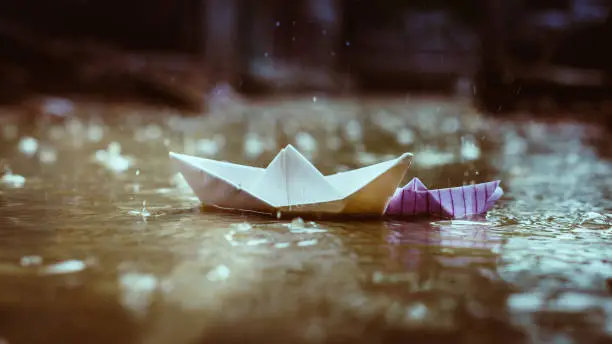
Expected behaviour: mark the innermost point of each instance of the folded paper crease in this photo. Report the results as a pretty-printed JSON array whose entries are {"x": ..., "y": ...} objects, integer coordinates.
[{"x": 416, "y": 199}]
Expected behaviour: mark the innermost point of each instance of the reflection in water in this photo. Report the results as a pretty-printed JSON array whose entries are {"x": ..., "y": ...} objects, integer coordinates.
[
  {"x": 423, "y": 247},
  {"x": 454, "y": 243}
]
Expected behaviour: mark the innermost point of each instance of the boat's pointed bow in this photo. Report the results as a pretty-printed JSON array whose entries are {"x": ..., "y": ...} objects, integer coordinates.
[
  {"x": 405, "y": 158},
  {"x": 175, "y": 156}
]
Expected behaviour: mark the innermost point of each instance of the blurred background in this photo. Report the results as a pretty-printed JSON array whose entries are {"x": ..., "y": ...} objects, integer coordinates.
[
  {"x": 101, "y": 241},
  {"x": 175, "y": 52}
]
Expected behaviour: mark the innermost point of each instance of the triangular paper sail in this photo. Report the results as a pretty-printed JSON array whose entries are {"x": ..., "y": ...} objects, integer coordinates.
[{"x": 292, "y": 180}]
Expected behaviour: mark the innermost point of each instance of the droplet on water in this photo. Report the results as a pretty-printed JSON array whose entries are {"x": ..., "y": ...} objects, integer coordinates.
[
  {"x": 112, "y": 159},
  {"x": 114, "y": 148},
  {"x": 297, "y": 223},
  {"x": 207, "y": 147},
  {"x": 28, "y": 146},
  {"x": 242, "y": 227},
  {"x": 353, "y": 131},
  {"x": 66, "y": 267},
  {"x": 307, "y": 242},
  {"x": 305, "y": 142},
  {"x": 469, "y": 149},
  {"x": 47, "y": 155},
  {"x": 95, "y": 133},
  {"x": 254, "y": 146},
  {"x": 219, "y": 273},
  {"x": 136, "y": 291},
  {"x": 12, "y": 180},
  {"x": 31, "y": 260},
  {"x": 430, "y": 158},
  {"x": 405, "y": 136},
  {"x": 257, "y": 242}
]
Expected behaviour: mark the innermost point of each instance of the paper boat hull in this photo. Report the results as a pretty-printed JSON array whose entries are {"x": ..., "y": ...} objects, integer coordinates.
[{"x": 364, "y": 191}]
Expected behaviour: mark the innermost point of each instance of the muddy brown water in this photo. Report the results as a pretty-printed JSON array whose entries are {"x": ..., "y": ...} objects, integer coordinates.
[{"x": 101, "y": 242}]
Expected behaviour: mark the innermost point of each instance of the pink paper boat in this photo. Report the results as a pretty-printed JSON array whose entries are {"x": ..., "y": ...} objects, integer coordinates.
[{"x": 416, "y": 199}]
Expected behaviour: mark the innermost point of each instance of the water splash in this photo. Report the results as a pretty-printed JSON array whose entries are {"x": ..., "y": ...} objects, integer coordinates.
[
  {"x": 144, "y": 212},
  {"x": 112, "y": 159},
  {"x": 219, "y": 273},
  {"x": 12, "y": 180},
  {"x": 65, "y": 267}
]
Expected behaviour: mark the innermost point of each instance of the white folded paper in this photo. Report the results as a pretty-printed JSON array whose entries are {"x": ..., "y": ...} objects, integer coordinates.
[{"x": 291, "y": 184}]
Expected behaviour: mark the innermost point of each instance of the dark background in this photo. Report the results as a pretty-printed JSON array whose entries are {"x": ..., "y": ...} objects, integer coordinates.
[{"x": 174, "y": 51}]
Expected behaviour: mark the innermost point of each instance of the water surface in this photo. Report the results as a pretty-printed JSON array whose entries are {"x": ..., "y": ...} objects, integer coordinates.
[{"x": 101, "y": 242}]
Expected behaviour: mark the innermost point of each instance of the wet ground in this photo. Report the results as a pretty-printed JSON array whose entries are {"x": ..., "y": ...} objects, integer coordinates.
[{"x": 100, "y": 242}]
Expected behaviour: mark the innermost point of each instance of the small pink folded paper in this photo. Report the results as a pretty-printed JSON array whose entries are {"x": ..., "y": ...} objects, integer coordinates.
[{"x": 462, "y": 201}]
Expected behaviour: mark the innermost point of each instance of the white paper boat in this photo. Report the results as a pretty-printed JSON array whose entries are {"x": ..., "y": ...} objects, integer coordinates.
[{"x": 291, "y": 184}]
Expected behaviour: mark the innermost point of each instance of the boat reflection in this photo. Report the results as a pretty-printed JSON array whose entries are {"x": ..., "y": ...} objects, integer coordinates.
[{"x": 449, "y": 244}]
